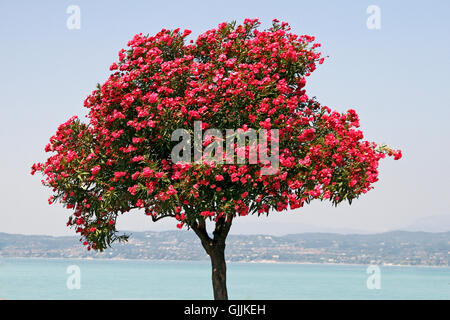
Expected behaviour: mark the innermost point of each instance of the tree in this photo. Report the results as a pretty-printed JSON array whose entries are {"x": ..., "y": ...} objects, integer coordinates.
[{"x": 232, "y": 77}]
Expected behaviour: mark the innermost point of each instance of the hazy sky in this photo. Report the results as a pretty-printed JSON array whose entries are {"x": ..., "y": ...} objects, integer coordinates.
[{"x": 395, "y": 77}]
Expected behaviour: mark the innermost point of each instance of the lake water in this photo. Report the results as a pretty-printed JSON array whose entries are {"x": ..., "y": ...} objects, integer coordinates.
[{"x": 28, "y": 278}]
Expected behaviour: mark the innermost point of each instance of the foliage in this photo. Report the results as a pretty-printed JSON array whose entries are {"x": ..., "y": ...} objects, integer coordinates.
[{"x": 233, "y": 76}]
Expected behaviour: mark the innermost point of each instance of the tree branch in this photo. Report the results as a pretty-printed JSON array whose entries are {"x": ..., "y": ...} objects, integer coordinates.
[
  {"x": 223, "y": 225},
  {"x": 154, "y": 219},
  {"x": 200, "y": 229}
]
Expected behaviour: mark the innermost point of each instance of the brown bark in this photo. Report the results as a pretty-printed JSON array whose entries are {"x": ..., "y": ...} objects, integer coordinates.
[{"x": 215, "y": 248}]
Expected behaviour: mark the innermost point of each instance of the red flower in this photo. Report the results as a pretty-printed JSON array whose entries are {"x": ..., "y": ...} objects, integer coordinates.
[
  {"x": 139, "y": 203},
  {"x": 95, "y": 170},
  {"x": 397, "y": 154},
  {"x": 147, "y": 172},
  {"x": 119, "y": 174},
  {"x": 113, "y": 66},
  {"x": 133, "y": 189}
]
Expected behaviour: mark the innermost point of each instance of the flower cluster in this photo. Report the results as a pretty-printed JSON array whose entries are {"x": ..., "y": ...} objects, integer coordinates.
[{"x": 233, "y": 76}]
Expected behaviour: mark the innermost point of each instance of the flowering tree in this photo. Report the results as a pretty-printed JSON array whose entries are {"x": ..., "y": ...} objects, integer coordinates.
[{"x": 231, "y": 77}]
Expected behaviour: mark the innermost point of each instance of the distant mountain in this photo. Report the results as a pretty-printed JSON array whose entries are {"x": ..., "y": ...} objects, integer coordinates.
[
  {"x": 281, "y": 228},
  {"x": 436, "y": 223},
  {"x": 396, "y": 247}
]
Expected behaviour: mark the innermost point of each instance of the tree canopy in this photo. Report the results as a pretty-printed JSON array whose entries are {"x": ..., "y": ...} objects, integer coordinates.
[{"x": 230, "y": 77}]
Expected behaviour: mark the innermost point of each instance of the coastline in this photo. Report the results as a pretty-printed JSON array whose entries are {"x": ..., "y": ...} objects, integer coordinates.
[{"x": 268, "y": 262}]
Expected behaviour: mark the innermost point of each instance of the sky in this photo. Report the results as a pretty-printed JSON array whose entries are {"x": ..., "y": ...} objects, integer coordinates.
[{"x": 395, "y": 77}]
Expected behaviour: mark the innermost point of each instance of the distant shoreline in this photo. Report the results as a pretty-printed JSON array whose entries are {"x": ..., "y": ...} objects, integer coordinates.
[
  {"x": 389, "y": 249},
  {"x": 272, "y": 262}
]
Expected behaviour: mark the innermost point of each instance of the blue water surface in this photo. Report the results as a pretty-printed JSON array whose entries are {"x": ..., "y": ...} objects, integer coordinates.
[{"x": 35, "y": 278}]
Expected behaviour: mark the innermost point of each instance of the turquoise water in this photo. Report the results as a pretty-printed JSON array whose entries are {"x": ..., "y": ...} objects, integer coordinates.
[{"x": 22, "y": 278}]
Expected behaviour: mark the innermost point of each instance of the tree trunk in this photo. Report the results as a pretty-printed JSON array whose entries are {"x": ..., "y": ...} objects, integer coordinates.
[
  {"x": 215, "y": 248},
  {"x": 219, "y": 272}
]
